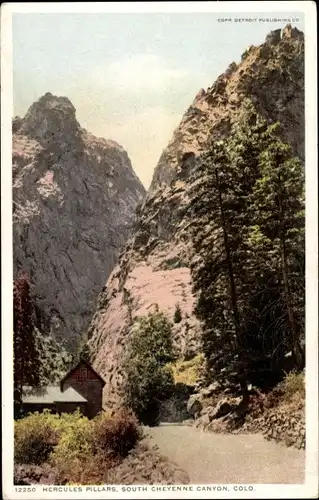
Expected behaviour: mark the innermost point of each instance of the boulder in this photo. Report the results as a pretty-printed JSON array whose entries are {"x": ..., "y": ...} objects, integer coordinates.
[
  {"x": 214, "y": 387},
  {"x": 194, "y": 405},
  {"x": 222, "y": 408},
  {"x": 205, "y": 393},
  {"x": 207, "y": 409},
  {"x": 204, "y": 420},
  {"x": 188, "y": 422}
]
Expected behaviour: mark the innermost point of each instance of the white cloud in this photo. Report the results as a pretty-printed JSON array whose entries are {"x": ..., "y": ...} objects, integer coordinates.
[{"x": 141, "y": 71}]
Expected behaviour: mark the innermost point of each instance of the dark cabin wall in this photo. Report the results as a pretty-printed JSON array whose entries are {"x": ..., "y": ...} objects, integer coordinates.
[
  {"x": 65, "y": 407},
  {"x": 88, "y": 385},
  {"x": 32, "y": 408},
  {"x": 62, "y": 407}
]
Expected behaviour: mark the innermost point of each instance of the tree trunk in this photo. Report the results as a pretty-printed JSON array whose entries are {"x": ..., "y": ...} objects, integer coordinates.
[
  {"x": 232, "y": 286},
  {"x": 297, "y": 351}
]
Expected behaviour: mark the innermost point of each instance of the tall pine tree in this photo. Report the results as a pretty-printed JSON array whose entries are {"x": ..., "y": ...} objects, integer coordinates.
[
  {"x": 278, "y": 205},
  {"x": 217, "y": 208},
  {"x": 26, "y": 355},
  {"x": 246, "y": 226}
]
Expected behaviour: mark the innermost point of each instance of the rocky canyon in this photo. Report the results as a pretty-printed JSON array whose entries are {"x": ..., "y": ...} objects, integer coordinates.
[
  {"x": 74, "y": 199},
  {"x": 154, "y": 267}
]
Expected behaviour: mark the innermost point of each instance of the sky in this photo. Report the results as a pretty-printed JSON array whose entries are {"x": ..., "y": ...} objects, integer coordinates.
[{"x": 130, "y": 76}]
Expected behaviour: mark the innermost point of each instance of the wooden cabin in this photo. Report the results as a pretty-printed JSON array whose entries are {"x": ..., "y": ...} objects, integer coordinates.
[{"x": 81, "y": 387}]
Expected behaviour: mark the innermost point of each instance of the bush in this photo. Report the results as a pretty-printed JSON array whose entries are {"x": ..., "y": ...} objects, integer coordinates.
[
  {"x": 92, "y": 469},
  {"x": 116, "y": 435},
  {"x": 188, "y": 372},
  {"x": 75, "y": 444},
  {"x": 177, "y": 314},
  {"x": 293, "y": 387},
  {"x": 148, "y": 383},
  {"x": 34, "y": 439},
  {"x": 90, "y": 448},
  {"x": 79, "y": 450}
]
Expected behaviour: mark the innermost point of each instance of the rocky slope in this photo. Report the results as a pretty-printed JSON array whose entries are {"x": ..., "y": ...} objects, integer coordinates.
[
  {"x": 74, "y": 198},
  {"x": 154, "y": 268},
  {"x": 279, "y": 415}
]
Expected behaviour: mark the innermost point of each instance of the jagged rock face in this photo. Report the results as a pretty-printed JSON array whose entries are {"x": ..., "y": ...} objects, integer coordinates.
[
  {"x": 74, "y": 198},
  {"x": 154, "y": 268}
]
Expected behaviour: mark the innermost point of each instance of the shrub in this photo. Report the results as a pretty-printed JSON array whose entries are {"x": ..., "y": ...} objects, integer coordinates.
[
  {"x": 148, "y": 383},
  {"x": 81, "y": 451},
  {"x": 188, "y": 372},
  {"x": 92, "y": 469},
  {"x": 257, "y": 405},
  {"x": 75, "y": 443},
  {"x": 34, "y": 439},
  {"x": 118, "y": 434},
  {"x": 177, "y": 314},
  {"x": 293, "y": 387}
]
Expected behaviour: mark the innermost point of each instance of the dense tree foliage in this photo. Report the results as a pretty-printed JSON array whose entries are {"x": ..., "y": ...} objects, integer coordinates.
[
  {"x": 177, "y": 314},
  {"x": 148, "y": 379},
  {"x": 55, "y": 360},
  {"x": 39, "y": 359},
  {"x": 246, "y": 223},
  {"x": 83, "y": 353},
  {"x": 26, "y": 356}
]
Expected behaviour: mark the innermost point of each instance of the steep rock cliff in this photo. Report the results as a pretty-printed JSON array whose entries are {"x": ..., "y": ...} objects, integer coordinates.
[
  {"x": 154, "y": 268},
  {"x": 74, "y": 198}
]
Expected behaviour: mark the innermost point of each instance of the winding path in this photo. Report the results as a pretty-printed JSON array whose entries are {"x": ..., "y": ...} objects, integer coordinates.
[{"x": 227, "y": 458}]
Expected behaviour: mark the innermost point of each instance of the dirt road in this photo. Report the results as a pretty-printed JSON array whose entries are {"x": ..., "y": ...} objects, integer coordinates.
[{"x": 227, "y": 458}]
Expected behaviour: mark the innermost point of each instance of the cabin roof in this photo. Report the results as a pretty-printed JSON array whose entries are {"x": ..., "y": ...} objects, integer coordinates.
[
  {"x": 76, "y": 366},
  {"x": 51, "y": 394}
]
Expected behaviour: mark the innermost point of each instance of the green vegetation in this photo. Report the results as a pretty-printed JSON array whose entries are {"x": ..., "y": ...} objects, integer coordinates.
[
  {"x": 246, "y": 222},
  {"x": 34, "y": 439},
  {"x": 39, "y": 359},
  {"x": 177, "y": 314},
  {"x": 117, "y": 435},
  {"x": 83, "y": 353},
  {"x": 54, "y": 359},
  {"x": 293, "y": 387},
  {"x": 80, "y": 450},
  {"x": 26, "y": 356},
  {"x": 188, "y": 372},
  {"x": 148, "y": 378}
]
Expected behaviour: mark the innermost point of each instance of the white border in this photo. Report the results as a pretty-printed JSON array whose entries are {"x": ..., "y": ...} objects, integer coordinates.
[
  {"x": 308, "y": 8},
  {"x": 157, "y": 7}
]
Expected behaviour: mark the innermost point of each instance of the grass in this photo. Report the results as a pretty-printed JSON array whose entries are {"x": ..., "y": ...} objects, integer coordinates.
[
  {"x": 290, "y": 392},
  {"x": 293, "y": 388}
]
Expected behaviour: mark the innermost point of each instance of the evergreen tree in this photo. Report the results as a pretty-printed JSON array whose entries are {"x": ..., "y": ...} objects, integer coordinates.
[
  {"x": 246, "y": 224},
  {"x": 177, "y": 314},
  {"x": 218, "y": 206},
  {"x": 26, "y": 356},
  {"x": 278, "y": 201},
  {"x": 83, "y": 353},
  {"x": 148, "y": 379},
  {"x": 55, "y": 360}
]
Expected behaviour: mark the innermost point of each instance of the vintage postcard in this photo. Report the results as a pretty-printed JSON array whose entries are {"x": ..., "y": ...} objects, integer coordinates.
[{"x": 159, "y": 244}]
